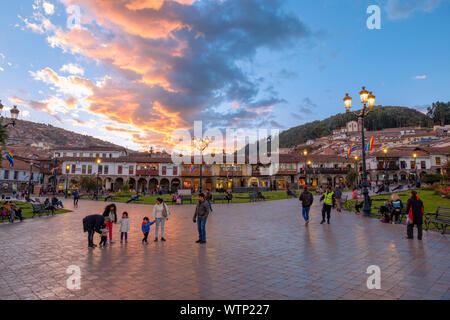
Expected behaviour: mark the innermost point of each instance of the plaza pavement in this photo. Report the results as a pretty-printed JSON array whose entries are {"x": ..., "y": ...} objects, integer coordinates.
[{"x": 254, "y": 251}]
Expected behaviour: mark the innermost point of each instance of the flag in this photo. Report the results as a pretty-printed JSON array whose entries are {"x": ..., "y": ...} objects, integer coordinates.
[
  {"x": 350, "y": 150},
  {"x": 193, "y": 168},
  {"x": 10, "y": 158},
  {"x": 384, "y": 164},
  {"x": 370, "y": 144},
  {"x": 54, "y": 170}
]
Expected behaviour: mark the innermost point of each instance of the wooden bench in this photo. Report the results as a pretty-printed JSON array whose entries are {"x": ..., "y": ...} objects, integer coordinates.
[
  {"x": 253, "y": 196},
  {"x": 441, "y": 219},
  {"x": 39, "y": 209},
  {"x": 220, "y": 197},
  {"x": 185, "y": 197}
]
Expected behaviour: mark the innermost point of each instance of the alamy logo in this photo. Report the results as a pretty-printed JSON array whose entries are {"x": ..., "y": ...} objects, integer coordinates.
[
  {"x": 374, "y": 20},
  {"x": 374, "y": 280},
  {"x": 74, "y": 281},
  {"x": 74, "y": 19}
]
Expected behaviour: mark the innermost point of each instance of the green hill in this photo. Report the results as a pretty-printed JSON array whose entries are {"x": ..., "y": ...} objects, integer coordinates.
[{"x": 380, "y": 118}]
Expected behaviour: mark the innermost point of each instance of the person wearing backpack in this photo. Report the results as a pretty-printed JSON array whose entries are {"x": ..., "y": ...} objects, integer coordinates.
[
  {"x": 160, "y": 215},
  {"x": 307, "y": 200}
]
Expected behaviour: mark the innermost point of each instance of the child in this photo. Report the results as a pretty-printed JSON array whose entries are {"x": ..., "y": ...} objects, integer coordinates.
[
  {"x": 124, "y": 227},
  {"x": 104, "y": 237},
  {"x": 146, "y": 228}
]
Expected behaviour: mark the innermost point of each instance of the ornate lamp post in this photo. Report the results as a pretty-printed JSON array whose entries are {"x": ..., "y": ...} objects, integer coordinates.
[
  {"x": 305, "y": 153},
  {"x": 201, "y": 144},
  {"x": 415, "y": 167},
  {"x": 367, "y": 98},
  {"x": 67, "y": 180},
  {"x": 14, "y": 115},
  {"x": 98, "y": 172},
  {"x": 29, "y": 180},
  {"x": 386, "y": 177},
  {"x": 308, "y": 164},
  {"x": 357, "y": 170}
]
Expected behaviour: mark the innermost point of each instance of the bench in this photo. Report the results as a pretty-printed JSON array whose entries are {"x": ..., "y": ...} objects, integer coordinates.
[
  {"x": 253, "y": 196},
  {"x": 185, "y": 197},
  {"x": 39, "y": 209},
  {"x": 441, "y": 219},
  {"x": 220, "y": 197},
  {"x": 292, "y": 194}
]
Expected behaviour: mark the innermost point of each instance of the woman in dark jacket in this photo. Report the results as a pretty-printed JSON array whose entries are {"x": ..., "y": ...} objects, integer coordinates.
[
  {"x": 414, "y": 209},
  {"x": 111, "y": 212}
]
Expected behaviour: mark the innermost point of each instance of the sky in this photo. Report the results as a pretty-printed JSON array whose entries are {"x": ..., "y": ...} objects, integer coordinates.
[{"x": 133, "y": 71}]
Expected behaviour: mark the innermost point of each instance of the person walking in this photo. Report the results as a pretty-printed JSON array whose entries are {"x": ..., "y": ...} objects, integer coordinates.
[
  {"x": 124, "y": 227},
  {"x": 146, "y": 229},
  {"x": 337, "y": 197},
  {"x": 76, "y": 197},
  {"x": 328, "y": 199},
  {"x": 110, "y": 212},
  {"x": 307, "y": 199},
  {"x": 200, "y": 217},
  {"x": 414, "y": 209},
  {"x": 160, "y": 215},
  {"x": 92, "y": 224}
]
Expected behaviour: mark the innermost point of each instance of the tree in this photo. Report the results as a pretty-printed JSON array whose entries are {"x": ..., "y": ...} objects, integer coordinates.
[
  {"x": 440, "y": 113},
  {"x": 431, "y": 178},
  {"x": 351, "y": 177},
  {"x": 88, "y": 183},
  {"x": 126, "y": 187}
]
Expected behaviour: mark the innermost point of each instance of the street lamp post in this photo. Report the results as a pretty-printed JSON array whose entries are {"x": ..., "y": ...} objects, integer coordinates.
[
  {"x": 386, "y": 177},
  {"x": 415, "y": 168},
  {"x": 29, "y": 180},
  {"x": 201, "y": 144},
  {"x": 54, "y": 169},
  {"x": 67, "y": 180},
  {"x": 367, "y": 98},
  {"x": 98, "y": 172},
  {"x": 305, "y": 153},
  {"x": 14, "y": 115},
  {"x": 357, "y": 170}
]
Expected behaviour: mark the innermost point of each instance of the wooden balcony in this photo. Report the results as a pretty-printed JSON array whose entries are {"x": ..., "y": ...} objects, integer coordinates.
[
  {"x": 196, "y": 173},
  {"x": 230, "y": 174},
  {"x": 147, "y": 173}
]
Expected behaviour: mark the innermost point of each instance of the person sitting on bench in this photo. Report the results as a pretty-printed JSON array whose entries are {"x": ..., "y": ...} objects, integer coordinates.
[
  {"x": 385, "y": 211},
  {"x": 259, "y": 195},
  {"x": 228, "y": 196},
  {"x": 396, "y": 208},
  {"x": 108, "y": 196},
  {"x": 49, "y": 206}
]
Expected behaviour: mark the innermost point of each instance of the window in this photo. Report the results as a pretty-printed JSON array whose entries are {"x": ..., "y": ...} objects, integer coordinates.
[
  {"x": 16, "y": 175},
  {"x": 164, "y": 170},
  {"x": 119, "y": 169},
  {"x": 105, "y": 169},
  {"x": 91, "y": 155},
  {"x": 74, "y": 168},
  {"x": 83, "y": 169},
  {"x": 131, "y": 170},
  {"x": 423, "y": 164},
  {"x": 89, "y": 169},
  {"x": 100, "y": 169},
  {"x": 175, "y": 171},
  {"x": 413, "y": 165},
  {"x": 97, "y": 155},
  {"x": 438, "y": 161},
  {"x": 403, "y": 164},
  {"x": 104, "y": 155},
  {"x": 6, "y": 174}
]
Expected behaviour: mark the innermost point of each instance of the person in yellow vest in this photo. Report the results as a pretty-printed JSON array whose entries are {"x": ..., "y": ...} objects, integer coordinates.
[{"x": 328, "y": 201}]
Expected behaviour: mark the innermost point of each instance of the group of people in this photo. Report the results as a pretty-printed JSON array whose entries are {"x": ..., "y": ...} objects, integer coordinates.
[
  {"x": 103, "y": 223},
  {"x": 11, "y": 210},
  {"x": 390, "y": 211}
]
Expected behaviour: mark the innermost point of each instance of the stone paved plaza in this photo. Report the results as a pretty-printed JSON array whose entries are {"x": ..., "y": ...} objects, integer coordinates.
[{"x": 254, "y": 251}]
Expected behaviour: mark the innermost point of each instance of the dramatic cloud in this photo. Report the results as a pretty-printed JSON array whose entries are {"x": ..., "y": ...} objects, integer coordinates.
[
  {"x": 400, "y": 9},
  {"x": 171, "y": 62}
]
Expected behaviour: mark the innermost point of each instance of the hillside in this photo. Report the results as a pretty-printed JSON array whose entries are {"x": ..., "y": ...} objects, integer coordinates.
[
  {"x": 380, "y": 118},
  {"x": 31, "y": 139}
]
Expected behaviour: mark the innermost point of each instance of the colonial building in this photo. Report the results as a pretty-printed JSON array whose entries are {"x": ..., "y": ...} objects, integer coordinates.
[{"x": 17, "y": 177}]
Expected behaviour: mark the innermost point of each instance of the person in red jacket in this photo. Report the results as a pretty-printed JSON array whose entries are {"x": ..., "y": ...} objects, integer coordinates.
[{"x": 414, "y": 209}]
